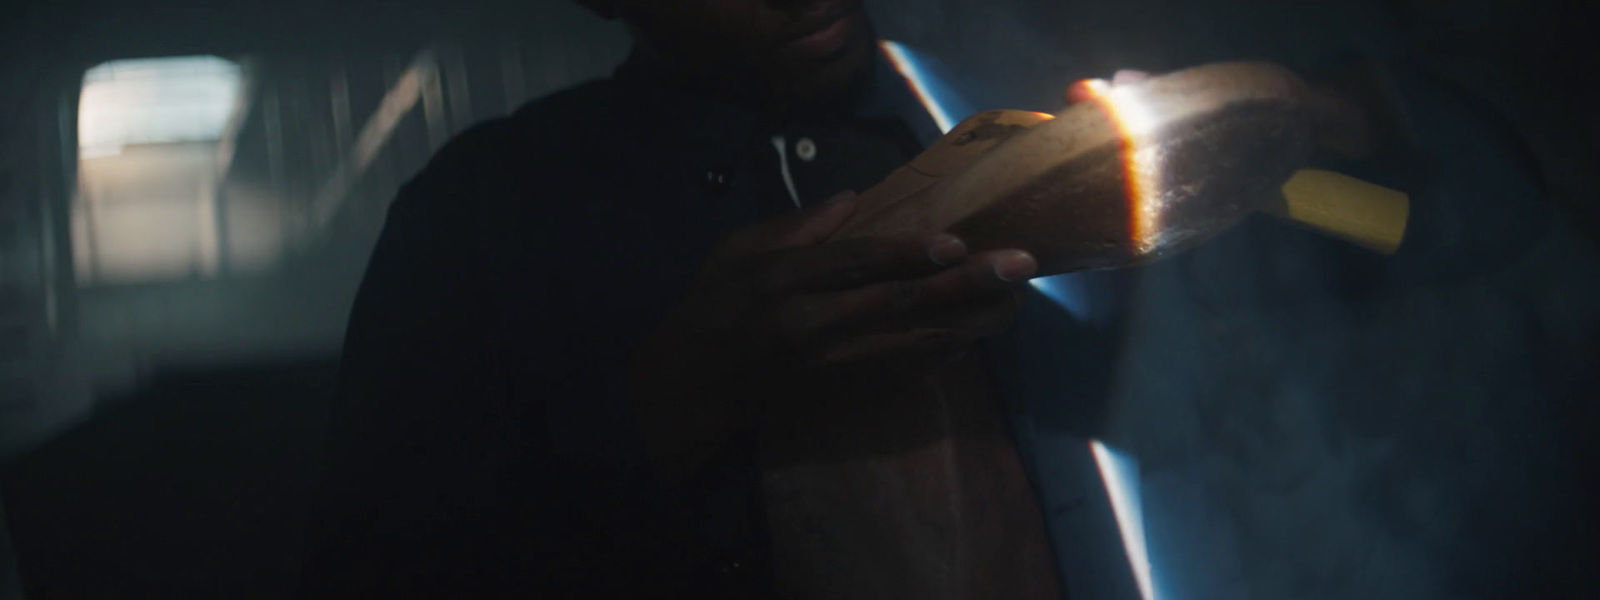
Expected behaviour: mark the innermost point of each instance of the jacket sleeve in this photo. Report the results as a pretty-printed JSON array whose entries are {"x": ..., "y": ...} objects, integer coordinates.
[{"x": 440, "y": 477}]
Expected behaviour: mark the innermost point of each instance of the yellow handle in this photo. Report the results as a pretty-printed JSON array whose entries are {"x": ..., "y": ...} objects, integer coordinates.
[{"x": 1364, "y": 213}]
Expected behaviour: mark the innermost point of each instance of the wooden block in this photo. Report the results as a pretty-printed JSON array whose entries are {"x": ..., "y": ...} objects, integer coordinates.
[{"x": 1144, "y": 171}]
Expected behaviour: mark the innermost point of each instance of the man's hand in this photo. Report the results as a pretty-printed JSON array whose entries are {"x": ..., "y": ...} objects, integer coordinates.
[{"x": 778, "y": 308}]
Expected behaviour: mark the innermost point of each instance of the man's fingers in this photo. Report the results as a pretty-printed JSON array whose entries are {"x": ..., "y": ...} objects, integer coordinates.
[
  {"x": 996, "y": 269},
  {"x": 806, "y": 227},
  {"x": 944, "y": 300},
  {"x": 988, "y": 316},
  {"x": 891, "y": 346},
  {"x": 859, "y": 262}
]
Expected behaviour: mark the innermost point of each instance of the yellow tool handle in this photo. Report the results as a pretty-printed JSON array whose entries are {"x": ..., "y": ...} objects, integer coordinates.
[{"x": 1363, "y": 213}]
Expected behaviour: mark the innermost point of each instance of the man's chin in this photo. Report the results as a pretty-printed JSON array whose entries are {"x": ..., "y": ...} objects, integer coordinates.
[{"x": 824, "y": 80}]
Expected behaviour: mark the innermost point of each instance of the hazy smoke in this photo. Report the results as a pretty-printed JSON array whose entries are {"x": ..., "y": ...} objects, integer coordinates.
[{"x": 1312, "y": 422}]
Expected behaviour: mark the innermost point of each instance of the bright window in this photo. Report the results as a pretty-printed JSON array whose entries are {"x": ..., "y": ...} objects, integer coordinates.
[
  {"x": 158, "y": 100},
  {"x": 148, "y": 147}
]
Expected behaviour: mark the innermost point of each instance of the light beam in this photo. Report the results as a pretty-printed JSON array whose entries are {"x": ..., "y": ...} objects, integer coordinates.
[
  {"x": 918, "y": 79},
  {"x": 1121, "y": 477}
]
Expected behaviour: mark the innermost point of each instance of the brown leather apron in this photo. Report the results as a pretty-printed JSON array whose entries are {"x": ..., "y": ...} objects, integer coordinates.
[{"x": 905, "y": 483}]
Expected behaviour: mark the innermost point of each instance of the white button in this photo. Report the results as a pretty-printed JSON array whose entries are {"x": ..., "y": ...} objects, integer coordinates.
[{"x": 805, "y": 149}]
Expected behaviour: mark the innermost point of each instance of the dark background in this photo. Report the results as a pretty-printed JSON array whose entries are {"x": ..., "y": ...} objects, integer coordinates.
[{"x": 162, "y": 438}]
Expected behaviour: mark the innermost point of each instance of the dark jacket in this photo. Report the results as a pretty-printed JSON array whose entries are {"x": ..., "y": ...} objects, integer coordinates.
[{"x": 481, "y": 444}]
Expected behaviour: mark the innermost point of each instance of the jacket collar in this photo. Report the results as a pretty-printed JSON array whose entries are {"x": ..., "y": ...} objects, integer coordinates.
[{"x": 694, "y": 118}]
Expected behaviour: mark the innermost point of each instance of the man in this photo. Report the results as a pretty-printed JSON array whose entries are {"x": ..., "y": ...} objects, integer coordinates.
[{"x": 602, "y": 349}]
